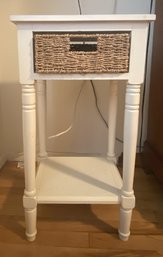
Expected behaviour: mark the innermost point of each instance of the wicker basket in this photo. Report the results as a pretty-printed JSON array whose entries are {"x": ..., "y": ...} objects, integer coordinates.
[{"x": 81, "y": 52}]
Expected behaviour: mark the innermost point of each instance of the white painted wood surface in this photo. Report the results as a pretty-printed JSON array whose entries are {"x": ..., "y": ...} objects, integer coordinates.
[
  {"x": 112, "y": 120},
  {"x": 129, "y": 153},
  {"x": 66, "y": 18},
  {"x": 41, "y": 117},
  {"x": 78, "y": 180},
  {"x": 87, "y": 179},
  {"x": 29, "y": 140},
  {"x": 29, "y": 137}
]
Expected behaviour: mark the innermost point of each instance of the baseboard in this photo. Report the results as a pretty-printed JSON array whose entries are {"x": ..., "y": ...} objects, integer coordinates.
[
  {"x": 3, "y": 159},
  {"x": 152, "y": 161}
]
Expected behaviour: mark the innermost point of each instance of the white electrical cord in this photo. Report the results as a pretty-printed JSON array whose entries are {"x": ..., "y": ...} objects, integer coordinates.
[{"x": 74, "y": 116}]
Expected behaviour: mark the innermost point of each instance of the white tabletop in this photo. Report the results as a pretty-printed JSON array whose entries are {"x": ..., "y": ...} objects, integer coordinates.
[{"x": 59, "y": 18}]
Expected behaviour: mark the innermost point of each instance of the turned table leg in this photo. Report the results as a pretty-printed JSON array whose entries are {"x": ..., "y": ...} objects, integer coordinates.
[
  {"x": 129, "y": 153},
  {"x": 29, "y": 141},
  {"x": 41, "y": 117},
  {"x": 112, "y": 118}
]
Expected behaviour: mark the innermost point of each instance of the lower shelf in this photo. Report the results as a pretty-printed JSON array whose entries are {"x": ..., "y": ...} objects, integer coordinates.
[{"x": 78, "y": 180}]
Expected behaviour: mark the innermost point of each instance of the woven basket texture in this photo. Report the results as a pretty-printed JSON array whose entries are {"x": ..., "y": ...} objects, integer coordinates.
[{"x": 57, "y": 53}]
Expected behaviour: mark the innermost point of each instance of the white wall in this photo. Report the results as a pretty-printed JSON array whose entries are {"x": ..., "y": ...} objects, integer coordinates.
[{"x": 89, "y": 134}]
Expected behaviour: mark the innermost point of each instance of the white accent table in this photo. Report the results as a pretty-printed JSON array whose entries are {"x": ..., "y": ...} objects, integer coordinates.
[{"x": 80, "y": 179}]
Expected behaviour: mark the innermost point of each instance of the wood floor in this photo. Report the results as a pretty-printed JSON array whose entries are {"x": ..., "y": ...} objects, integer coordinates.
[{"x": 80, "y": 230}]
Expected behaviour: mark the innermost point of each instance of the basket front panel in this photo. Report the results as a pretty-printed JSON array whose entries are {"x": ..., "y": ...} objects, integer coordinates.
[{"x": 81, "y": 53}]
